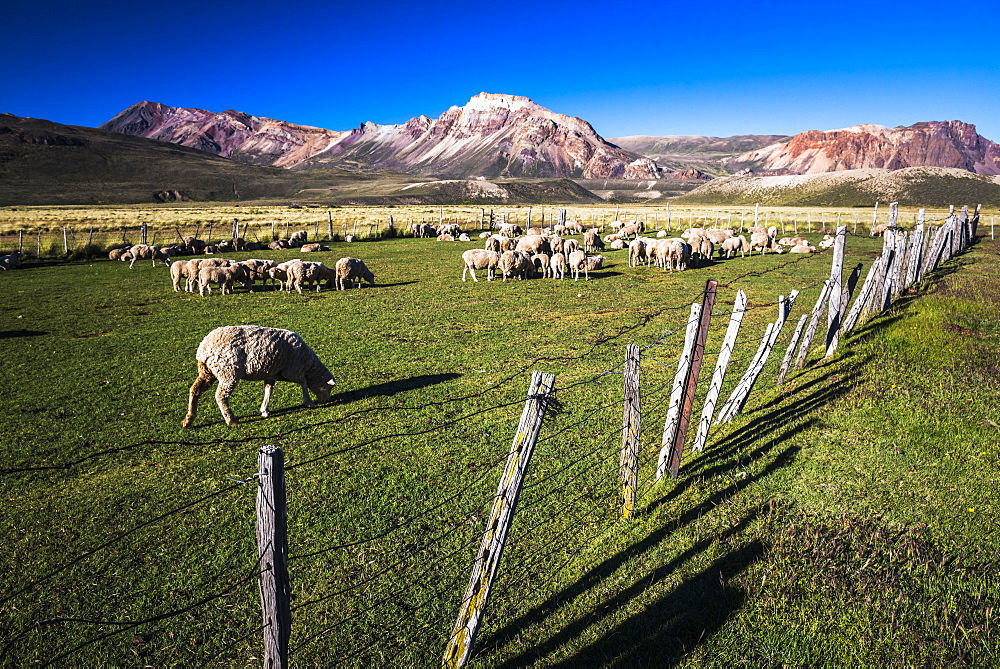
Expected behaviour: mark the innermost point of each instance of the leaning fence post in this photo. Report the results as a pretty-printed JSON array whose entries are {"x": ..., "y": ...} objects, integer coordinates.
[
  {"x": 814, "y": 316},
  {"x": 628, "y": 471},
  {"x": 721, "y": 364},
  {"x": 786, "y": 363},
  {"x": 834, "y": 314},
  {"x": 484, "y": 569},
  {"x": 272, "y": 547},
  {"x": 677, "y": 391}
]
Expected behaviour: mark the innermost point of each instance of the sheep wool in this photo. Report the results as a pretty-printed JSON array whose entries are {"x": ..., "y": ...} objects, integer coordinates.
[{"x": 235, "y": 352}]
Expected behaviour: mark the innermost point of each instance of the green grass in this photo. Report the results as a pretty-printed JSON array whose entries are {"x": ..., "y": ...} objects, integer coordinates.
[{"x": 829, "y": 523}]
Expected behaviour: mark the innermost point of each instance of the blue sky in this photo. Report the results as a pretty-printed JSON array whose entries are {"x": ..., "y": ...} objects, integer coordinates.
[{"x": 629, "y": 68}]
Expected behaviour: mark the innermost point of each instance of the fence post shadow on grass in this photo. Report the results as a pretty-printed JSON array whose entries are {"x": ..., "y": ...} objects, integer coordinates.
[
  {"x": 14, "y": 334},
  {"x": 603, "y": 571},
  {"x": 667, "y": 629}
]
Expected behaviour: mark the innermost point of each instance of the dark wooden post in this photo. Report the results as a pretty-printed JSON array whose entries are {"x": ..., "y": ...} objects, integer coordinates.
[
  {"x": 484, "y": 569},
  {"x": 272, "y": 547},
  {"x": 628, "y": 471}
]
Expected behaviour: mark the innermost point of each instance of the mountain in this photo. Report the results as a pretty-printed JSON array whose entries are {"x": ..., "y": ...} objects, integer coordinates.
[
  {"x": 910, "y": 186},
  {"x": 933, "y": 143},
  {"x": 491, "y": 136},
  {"x": 45, "y": 163},
  {"x": 705, "y": 154}
]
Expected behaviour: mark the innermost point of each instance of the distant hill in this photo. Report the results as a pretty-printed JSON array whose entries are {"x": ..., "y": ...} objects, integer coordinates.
[
  {"x": 42, "y": 162},
  {"x": 912, "y": 186},
  {"x": 490, "y": 136},
  {"x": 932, "y": 144},
  {"x": 706, "y": 154}
]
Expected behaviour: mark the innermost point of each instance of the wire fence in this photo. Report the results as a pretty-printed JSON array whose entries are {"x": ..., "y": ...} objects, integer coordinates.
[{"x": 389, "y": 592}]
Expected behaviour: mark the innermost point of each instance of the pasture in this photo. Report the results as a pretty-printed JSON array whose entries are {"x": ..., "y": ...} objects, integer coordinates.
[{"x": 847, "y": 517}]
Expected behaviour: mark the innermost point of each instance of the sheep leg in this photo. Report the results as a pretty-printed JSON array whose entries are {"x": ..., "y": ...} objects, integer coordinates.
[
  {"x": 306, "y": 400},
  {"x": 201, "y": 384},
  {"x": 268, "y": 387},
  {"x": 222, "y": 394}
]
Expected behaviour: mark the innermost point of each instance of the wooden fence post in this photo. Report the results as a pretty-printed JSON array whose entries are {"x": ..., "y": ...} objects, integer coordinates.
[
  {"x": 272, "y": 547},
  {"x": 815, "y": 315},
  {"x": 686, "y": 380},
  {"x": 329, "y": 225},
  {"x": 833, "y": 313},
  {"x": 721, "y": 364},
  {"x": 20, "y": 239},
  {"x": 786, "y": 362},
  {"x": 470, "y": 615},
  {"x": 628, "y": 471}
]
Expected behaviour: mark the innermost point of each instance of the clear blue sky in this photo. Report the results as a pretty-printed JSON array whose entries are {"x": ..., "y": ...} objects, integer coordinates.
[{"x": 652, "y": 68}]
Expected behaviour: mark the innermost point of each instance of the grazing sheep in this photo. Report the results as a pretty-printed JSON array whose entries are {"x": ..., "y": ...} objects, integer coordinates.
[
  {"x": 223, "y": 276},
  {"x": 146, "y": 252},
  {"x": 178, "y": 271},
  {"x": 615, "y": 225},
  {"x": 704, "y": 248},
  {"x": 717, "y": 235},
  {"x": 594, "y": 263},
  {"x": 492, "y": 244},
  {"x": 193, "y": 245},
  {"x": 763, "y": 241},
  {"x": 557, "y": 266},
  {"x": 578, "y": 260},
  {"x": 541, "y": 262},
  {"x": 637, "y": 253},
  {"x": 570, "y": 245},
  {"x": 11, "y": 261},
  {"x": 474, "y": 259},
  {"x": 315, "y": 273},
  {"x": 258, "y": 269},
  {"x": 534, "y": 231},
  {"x": 608, "y": 239},
  {"x": 573, "y": 228},
  {"x": 557, "y": 243},
  {"x": 692, "y": 232},
  {"x": 254, "y": 353},
  {"x": 507, "y": 244},
  {"x": 879, "y": 229},
  {"x": 452, "y": 229},
  {"x": 355, "y": 271},
  {"x": 533, "y": 244},
  {"x": 679, "y": 254},
  {"x": 510, "y": 230},
  {"x": 735, "y": 244},
  {"x": 592, "y": 241},
  {"x": 558, "y": 229},
  {"x": 630, "y": 230},
  {"x": 514, "y": 263},
  {"x": 298, "y": 238}
]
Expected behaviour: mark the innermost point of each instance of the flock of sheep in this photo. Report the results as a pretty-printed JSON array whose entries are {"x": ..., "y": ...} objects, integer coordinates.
[{"x": 547, "y": 253}]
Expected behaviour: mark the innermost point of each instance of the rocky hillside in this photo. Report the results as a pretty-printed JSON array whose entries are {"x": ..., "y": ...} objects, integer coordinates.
[
  {"x": 934, "y": 143},
  {"x": 910, "y": 186},
  {"x": 491, "y": 136},
  {"x": 685, "y": 152}
]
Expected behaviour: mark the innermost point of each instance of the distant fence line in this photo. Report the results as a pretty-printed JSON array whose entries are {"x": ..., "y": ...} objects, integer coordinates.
[
  {"x": 56, "y": 238},
  {"x": 559, "y": 510}
]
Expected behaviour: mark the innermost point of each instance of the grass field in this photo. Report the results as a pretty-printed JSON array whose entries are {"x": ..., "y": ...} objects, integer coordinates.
[{"x": 847, "y": 517}]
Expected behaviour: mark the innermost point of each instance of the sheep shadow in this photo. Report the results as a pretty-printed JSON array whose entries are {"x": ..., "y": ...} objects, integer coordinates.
[
  {"x": 392, "y": 387},
  {"x": 14, "y": 334}
]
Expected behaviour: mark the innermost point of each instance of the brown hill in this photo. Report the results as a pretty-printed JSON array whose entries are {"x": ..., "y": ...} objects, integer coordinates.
[
  {"x": 933, "y": 144},
  {"x": 491, "y": 136}
]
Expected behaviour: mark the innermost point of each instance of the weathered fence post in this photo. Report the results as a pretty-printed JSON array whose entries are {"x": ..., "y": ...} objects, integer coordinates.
[
  {"x": 687, "y": 379},
  {"x": 329, "y": 225},
  {"x": 815, "y": 315},
  {"x": 143, "y": 233},
  {"x": 65, "y": 242},
  {"x": 20, "y": 239},
  {"x": 786, "y": 362},
  {"x": 833, "y": 313},
  {"x": 628, "y": 471},
  {"x": 719, "y": 376},
  {"x": 470, "y": 615},
  {"x": 272, "y": 547}
]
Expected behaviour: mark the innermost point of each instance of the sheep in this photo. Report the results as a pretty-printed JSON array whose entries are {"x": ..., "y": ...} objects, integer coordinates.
[
  {"x": 514, "y": 263},
  {"x": 353, "y": 270},
  {"x": 618, "y": 244},
  {"x": 678, "y": 254},
  {"x": 630, "y": 229},
  {"x": 803, "y": 248},
  {"x": 279, "y": 244},
  {"x": 764, "y": 242},
  {"x": 828, "y": 242},
  {"x": 309, "y": 272},
  {"x": 793, "y": 241},
  {"x": 535, "y": 231},
  {"x": 557, "y": 266},
  {"x": 224, "y": 276},
  {"x": 570, "y": 245},
  {"x": 717, "y": 235},
  {"x": 661, "y": 234},
  {"x": 193, "y": 245},
  {"x": 558, "y": 229},
  {"x": 577, "y": 261},
  {"x": 659, "y": 252},
  {"x": 464, "y": 238},
  {"x": 533, "y": 244},
  {"x": 541, "y": 262},
  {"x": 452, "y": 229},
  {"x": 178, "y": 271},
  {"x": 734, "y": 244},
  {"x": 556, "y": 243},
  {"x": 118, "y": 254},
  {"x": 492, "y": 244},
  {"x": 507, "y": 244},
  {"x": 692, "y": 232},
  {"x": 608, "y": 239},
  {"x": 445, "y": 238},
  {"x": 510, "y": 230},
  {"x": 573, "y": 228},
  {"x": 879, "y": 229},
  {"x": 298, "y": 238},
  {"x": 144, "y": 252},
  {"x": 236, "y": 352},
  {"x": 594, "y": 263},
  {"x": 259, "y": 269},
  {"x": 637, "y": 253},
  {"x": 314, "y": 247},
  {"x": 11, "y": 261},
  {"x": 474, "y": 259},
  {"x": 592, "y": 241},
  {"x": 705, "y": 248},
  {"x": 484, "y": 235}
]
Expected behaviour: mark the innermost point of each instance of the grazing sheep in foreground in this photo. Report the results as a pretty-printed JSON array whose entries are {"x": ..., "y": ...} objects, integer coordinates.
[
  {"x": 557, "y": 266},
  {"x": 594, "y": 263},
  {"x": 592, "y": 241},
  {"x": 353, "y": 270},
  {"x": 679, "y": 254},
  {"x": 541, "y": 262},
  {"x": 480, "y": 259},
  {"x": 255, "y": 353},
  {"x": 223, "y": 276},
  {"x": 570, "y": 245},
  {"x": 637, "y": 253},
  {"x": 533, "y": 244},
  {"x": 705, "y": 249},
  {"x": 578, "y": 260},
  {"x": 514, "y": 263},
  {"x": 314, "y": 273}
]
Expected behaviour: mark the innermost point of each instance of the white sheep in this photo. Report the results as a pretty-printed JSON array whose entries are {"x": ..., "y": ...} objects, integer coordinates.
[
  {"x": 255, "y": 353},
  {"x": 803, "y": 248},
  {"x": 353, "y": 270},
  {"x": 541, "y": 262},
  {"x": 828, "y": 242},
  {"x": 533, "y": 244},
  {"x": 735, "y": 244},
  {"x": 637, "y": 253},
  {"x": 146, "y": 252},
  {"x": 592, "y": 241},
  {"x": 557, "y": 266},
  {"x": 298, "y": 238},
  {"x": 514, "y": 263},
  {"x": 309, "y": 272},
  {"x": 595, "y": 263},
  {"x": 224, "y": 276},
  {"x": 480, "y": 259},
  {"x": 578, "y": 260}
]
